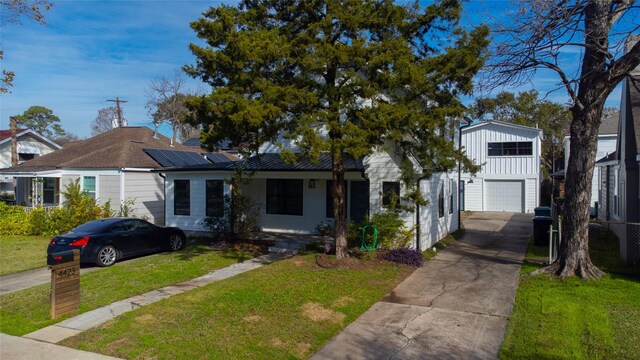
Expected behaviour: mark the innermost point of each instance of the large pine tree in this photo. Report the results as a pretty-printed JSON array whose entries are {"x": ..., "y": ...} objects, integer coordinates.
[{"x": 366, "y": 72}]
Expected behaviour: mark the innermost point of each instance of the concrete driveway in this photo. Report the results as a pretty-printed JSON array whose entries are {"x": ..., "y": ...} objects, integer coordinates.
[{"x": 455, "y": 307}]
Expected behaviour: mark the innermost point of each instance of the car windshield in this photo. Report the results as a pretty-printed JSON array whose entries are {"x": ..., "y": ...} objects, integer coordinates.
[{"x": 91, "y": 227}]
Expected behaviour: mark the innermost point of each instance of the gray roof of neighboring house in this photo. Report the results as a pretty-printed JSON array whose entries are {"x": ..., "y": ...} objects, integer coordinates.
[
  {"x": 611, "y": 157},
  {"x": 609, "y": 123},
  {"x": 273, "y": 162},
  {"x": 117, "y": 148}
]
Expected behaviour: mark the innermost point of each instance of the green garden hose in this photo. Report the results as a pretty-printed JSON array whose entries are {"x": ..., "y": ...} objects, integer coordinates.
[{"x": 363, "y": 244}]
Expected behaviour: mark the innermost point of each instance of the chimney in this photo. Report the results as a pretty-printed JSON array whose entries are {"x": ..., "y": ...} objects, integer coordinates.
[{"x": 13, "y": 127}]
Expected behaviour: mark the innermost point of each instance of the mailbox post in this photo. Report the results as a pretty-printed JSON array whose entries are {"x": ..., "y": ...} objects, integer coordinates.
[{"x": 65, "y": 282}]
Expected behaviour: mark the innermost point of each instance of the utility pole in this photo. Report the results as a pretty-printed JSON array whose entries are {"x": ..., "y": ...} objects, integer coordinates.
[
  {"x": 118, "y": 101},
  {"x": 13, "y": 126}
]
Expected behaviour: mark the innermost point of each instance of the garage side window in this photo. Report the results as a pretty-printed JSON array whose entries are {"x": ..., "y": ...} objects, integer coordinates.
[
  {"x": 522, "y": 148},
  {"x": 215, "y": 198},
  {"x": 89, "y": 186},
  {"x": 441, "y": 200},
  {"x": 452, "y": 189},
  {"x": 181, "y": 197},
  {"x": 284, "y": 196}
]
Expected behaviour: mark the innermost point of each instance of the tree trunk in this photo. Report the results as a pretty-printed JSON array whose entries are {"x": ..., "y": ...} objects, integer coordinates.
[
  {"x": 573, "y": 254},
  {"x": 339, "y": 208}
]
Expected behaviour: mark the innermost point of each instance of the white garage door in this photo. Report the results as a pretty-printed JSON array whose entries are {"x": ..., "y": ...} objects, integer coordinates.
[{"x": 504, "y": 195}]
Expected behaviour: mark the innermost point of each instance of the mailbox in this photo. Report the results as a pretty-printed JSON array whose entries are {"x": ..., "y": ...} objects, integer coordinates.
[{"x": 60, "y": 257}]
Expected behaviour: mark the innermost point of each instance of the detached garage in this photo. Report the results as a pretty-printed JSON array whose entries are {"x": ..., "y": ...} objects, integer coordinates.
[{"x": 510, "y": 176}]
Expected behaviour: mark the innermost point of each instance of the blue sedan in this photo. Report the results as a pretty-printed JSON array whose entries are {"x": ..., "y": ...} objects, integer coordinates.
[{"x": 106, "y": 240}]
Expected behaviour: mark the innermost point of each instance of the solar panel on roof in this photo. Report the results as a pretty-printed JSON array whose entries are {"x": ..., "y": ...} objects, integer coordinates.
[
  {"x": 171, "y": 158},
  {"x": 216, "y": 157}
]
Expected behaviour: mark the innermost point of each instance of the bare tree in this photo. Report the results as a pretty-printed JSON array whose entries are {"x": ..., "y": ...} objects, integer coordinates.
[
  {"x": 539, "y": 36},
  {"x": 12, "y": 11},
  {"x": 104, "y": 121},
  {"x": 166, "y": 104}
]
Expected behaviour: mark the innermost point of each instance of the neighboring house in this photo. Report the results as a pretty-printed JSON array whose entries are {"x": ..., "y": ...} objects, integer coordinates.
[
  {"x": 113, "y": 166},
  {"x": 510, "y": 175},
  {"x": 619, "y": 181},
  {"x": 30, "y": 144},
  {"x": 607, "y": 138},
  {"x": 295, "y": 198}
]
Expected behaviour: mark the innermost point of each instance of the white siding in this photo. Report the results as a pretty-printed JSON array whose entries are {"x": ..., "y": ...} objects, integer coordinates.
[
  {"x": 109, "y": 190},
  {"x": 432, "y": 226},
  {"x": 197, "y": 191},
  {"x": 384, "y": 166},
  {"x": 606, "y": 145},
  {"x": 147, "y": 189},
  {"x": 475, "y": 141}
]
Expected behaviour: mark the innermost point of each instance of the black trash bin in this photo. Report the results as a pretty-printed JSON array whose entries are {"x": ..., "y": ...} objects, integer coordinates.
[
  {"x": 542, "y": 211},
  {"x": 541, "y": 226}
]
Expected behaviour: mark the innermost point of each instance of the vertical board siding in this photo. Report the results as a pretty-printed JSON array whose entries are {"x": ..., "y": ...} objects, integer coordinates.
[
  {"x": 146, "y": 189},
  {"x": 523, "y": 168}
]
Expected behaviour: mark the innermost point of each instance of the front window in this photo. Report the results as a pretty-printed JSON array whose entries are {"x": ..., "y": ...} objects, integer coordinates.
[
  {"x": 215, "y": 198},
  {"x": 181, "y": 197},
  {"x": 49, "y": 190},
  {"x": 390, "y": 193},
  {"x": 89, "y": 186},
  {"x": 284, "y": 196},
  {"x": 522, "y": 148}
]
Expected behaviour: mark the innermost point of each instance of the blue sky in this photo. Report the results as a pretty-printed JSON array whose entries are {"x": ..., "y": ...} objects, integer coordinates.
[{"x": 92, "y": 51}]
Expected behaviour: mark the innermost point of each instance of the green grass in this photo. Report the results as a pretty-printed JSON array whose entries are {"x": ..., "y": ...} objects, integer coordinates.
[
  {"x": 25, "y": 311},
  {"x": 443, "y": 243},
  {"x": 287, "y": 309},
  {"x": 21, "y": 253},
  {"x": 571, "y": 318}
]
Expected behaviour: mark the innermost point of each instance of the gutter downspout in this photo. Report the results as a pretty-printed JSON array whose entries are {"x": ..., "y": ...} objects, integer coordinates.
[
  {"x": 164, "y": 203},
  {"x": 460, "y": 169}
]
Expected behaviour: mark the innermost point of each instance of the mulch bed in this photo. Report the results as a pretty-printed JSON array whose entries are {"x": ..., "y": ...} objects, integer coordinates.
[
  {"x": 353, "y": 263},
  {"x": 256, "y": 247}
]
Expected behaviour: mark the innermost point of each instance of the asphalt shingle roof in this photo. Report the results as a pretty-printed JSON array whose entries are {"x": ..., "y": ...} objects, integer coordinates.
[{"x": 116, "y": 148}]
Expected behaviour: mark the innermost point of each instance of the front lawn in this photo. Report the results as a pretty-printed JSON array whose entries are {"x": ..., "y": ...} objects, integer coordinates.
[
  {"x": 21, "y": 253},
  {"x": 574, "y": 319},
  {"x": 288, "y": 309},
  {"x": 25, "y": 311}
]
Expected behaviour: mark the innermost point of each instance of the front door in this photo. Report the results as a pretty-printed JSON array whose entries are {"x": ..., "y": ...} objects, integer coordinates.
[{"x": 359, "y": 200}]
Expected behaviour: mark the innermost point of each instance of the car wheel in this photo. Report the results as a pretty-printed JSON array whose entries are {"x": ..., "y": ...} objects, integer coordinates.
[
  {"x": 107, "y": 256},
  {"x": 176, "y": 241}
]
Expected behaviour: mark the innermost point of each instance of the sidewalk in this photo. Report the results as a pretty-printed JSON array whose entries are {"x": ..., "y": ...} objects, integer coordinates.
[{"x": 455, "y": 307}]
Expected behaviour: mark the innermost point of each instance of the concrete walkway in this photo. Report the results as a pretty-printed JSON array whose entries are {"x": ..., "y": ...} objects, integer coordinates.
[{"x": 455, "y": 307}]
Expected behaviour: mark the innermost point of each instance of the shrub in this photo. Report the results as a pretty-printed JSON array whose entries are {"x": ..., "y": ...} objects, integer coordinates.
[
  {"x": 392, "y": 232},
  {"x": 240, "y": 211},
  {"x": 13, "y": 220},
  {"x": 404, "y": 256},
  {"x": 38, "y": 222}
]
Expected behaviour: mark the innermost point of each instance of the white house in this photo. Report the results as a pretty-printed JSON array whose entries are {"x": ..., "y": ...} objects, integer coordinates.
[
  {"x": 295, "y": 198},
  {"x": 510, "y": 175},
  {"x": 607, "y": 140},
  {"x": 30, "y": 145}
]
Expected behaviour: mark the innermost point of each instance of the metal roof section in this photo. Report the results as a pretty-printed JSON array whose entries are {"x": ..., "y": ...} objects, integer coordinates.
[
  {"x": 273, "y": 162},
  {"x": 174, "y": 158}
]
